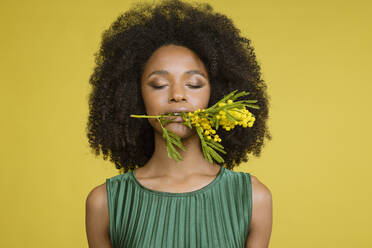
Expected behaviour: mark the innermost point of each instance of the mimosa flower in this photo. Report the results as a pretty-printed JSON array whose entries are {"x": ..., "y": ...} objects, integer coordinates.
[{"x": 225, "y": 113}]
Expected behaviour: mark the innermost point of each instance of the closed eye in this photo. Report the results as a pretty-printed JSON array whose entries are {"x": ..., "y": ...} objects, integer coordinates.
[
  {"x": 195, "y": 86},
  {"x": 157, "y": 87},
  {"x": 189, "y": 85}
]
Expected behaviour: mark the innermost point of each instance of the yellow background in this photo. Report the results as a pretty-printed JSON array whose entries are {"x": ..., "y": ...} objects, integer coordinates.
[{"x": 315, "y": 58}]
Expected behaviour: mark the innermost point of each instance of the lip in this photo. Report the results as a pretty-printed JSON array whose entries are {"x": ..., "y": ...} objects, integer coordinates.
[
  {"x": 177, "y": 119},
  {"x": 178, "y": 110},
  {"x": 181, "y": 109}
]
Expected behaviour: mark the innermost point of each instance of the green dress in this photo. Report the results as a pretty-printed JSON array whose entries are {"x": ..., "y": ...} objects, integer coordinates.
[{"x": 217, "y": 215}]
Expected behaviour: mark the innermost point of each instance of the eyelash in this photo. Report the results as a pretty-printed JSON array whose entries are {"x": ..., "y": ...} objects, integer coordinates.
[
  {"x": 196, "y": 86},
  {"x": 192, "y": 86}
]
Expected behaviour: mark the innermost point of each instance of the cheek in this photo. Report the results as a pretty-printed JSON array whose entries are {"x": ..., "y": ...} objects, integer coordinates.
[
  {"x": 146, "y": 101},
  {"x": 199, "y": 99},
  {"x": 204, "y": 99},
  {"x": 153, "y": 103}
]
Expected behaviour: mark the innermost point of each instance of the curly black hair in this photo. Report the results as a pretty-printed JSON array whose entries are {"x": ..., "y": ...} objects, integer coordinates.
[{"x": 116, "y": 81}]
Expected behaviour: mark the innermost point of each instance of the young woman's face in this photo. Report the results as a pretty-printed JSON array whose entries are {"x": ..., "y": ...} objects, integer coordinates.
[{"x": 174, "y": 80}]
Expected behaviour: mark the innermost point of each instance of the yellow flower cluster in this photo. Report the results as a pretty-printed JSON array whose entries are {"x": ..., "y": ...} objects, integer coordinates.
[
  {"x": 244, "y": 117},
  {"x": 204, "y": 124}
]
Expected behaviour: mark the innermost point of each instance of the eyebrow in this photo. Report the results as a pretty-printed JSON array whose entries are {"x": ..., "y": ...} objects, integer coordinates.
[{"x": 190, "y": 72}]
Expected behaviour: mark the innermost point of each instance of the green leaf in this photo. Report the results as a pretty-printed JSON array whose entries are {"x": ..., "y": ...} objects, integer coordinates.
[
  {"x": 217, "y": 123},
  {"x": 165, "y": 134},
  {"x": 250, "y": 101},
  {"x": 171, "y": 154},
  {"x": 253, "y": 106},
  {"x": 245, "y": 102},
  {"x": 171, "y": 150},
  {"x": 176, "y": 140},
  {"x": 216, "y": 144},
  {"x": 228, "y": 96},
  {"x": 216, "y": 147},
  {"x": 177, "y": 143},
  {"x": 215, "y": 155},
  {"x": 206, "y": 154},
  {"x": 204, "y": 146},
  {"x": 203, "y": 150},
  {"x": 240, "y": 94},
  {"x": 209, "y": 158}
]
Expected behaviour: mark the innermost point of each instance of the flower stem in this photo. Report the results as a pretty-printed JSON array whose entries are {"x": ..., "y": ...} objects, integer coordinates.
[{"x": 146, "y": 116}]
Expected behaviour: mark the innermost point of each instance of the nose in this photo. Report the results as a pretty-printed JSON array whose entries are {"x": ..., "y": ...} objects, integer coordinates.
[{"x": 177, "y": 94}]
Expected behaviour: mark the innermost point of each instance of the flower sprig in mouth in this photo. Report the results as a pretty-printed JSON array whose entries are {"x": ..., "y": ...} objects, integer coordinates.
[{"x": 226, "y": 113}]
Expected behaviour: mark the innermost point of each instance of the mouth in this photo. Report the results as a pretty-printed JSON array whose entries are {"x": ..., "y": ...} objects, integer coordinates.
[{"x": 176, "y": 117}]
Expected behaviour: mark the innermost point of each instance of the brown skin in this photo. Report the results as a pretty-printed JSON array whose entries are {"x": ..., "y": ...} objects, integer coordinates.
[
  {"x": 262, "y": 215},
  {"x": 171, "y": 64}
]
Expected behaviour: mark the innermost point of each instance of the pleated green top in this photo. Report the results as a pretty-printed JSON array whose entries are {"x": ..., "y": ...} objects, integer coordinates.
[{"x": 217, "y": 215}]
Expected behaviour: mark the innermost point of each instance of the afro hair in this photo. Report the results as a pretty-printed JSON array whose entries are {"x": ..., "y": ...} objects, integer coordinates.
[{"x": 116, "y": 80}]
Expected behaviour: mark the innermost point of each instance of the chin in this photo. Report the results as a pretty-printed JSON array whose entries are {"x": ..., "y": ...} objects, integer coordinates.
[{"x": 180, "y": 129}]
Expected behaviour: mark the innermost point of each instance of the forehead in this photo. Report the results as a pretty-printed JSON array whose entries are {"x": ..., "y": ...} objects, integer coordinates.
[{"x": 173, "y": 58}]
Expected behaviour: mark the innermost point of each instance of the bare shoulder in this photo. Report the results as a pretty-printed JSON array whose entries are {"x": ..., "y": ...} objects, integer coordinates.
[
  {"x": 261, "y": 223},
  {"x": 260, "y": 192},
  {"x": 97, "y": 197},
  {"x": 97, "y": 217}
]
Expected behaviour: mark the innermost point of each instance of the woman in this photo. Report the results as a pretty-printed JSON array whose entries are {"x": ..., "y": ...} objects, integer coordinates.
[{"x": 157, "y": 59}]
